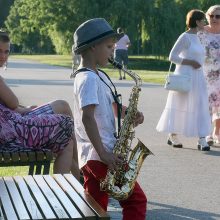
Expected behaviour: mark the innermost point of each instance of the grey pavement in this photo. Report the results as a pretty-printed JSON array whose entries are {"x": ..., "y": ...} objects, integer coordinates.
[{"x": 179, "y": 183}]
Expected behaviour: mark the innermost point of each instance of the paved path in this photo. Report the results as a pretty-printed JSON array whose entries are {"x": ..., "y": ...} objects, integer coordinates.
[{"x": 179, "y": 183}]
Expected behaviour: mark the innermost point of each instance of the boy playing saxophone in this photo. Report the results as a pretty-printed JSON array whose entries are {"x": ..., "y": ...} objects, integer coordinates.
[{"x": 94, "y": 119}]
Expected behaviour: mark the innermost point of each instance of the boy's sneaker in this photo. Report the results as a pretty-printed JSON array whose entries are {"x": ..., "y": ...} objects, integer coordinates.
[{"x": 203, "y": 145}]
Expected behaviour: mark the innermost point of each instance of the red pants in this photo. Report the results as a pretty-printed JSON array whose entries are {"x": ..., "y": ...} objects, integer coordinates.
[{"x": 135, "y": 207}]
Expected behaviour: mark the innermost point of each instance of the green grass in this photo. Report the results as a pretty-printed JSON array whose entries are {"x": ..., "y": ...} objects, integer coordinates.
[
  {"x": 13, "y": 171},
  {"x": 149, "y": 68},
  {"x": 18, "y": 170}
]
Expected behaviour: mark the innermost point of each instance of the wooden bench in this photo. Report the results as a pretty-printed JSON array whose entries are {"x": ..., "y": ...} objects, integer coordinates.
[
  {"x": 38, "y": 161},
  {"x": 46, "y": 197}
]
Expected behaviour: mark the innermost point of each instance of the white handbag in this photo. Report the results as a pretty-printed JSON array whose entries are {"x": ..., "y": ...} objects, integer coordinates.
[{"x": 177, "y": 82}]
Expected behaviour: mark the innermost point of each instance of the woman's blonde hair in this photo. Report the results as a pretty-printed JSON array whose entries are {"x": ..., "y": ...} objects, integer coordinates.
[{"x": 211, "y": 9}]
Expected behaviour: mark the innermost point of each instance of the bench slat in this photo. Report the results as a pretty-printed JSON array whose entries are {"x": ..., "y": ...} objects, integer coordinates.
[
  {"x": 73, "y": 212},
  {"x": 30, "y": 203},
  {"x": 40, "y": 155},
  {"x": 6, "y": 202},
  {"x": 16, "y": 198},
  {"x": 31, "y": 156},
  {"x": 34, "y": 159},
  {"x": 15, "y": 157},
  {"x": 6, "y": 157},
  {"x": 87, "y": 212},
  {"x": 23, "y": 156},
  {"x": 42, "y": 202},
  {"x": 49, "y": 155},
  {"x": 49, "y": 195},
  {"x": 85, "y": 195}
]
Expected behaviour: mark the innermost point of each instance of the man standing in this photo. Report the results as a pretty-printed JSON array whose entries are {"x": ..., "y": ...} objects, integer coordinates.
[{"x": 121, "y": 50}]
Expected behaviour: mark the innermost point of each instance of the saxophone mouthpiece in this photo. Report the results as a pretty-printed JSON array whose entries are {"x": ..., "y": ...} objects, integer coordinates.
[{"x": 115, "y": 63}]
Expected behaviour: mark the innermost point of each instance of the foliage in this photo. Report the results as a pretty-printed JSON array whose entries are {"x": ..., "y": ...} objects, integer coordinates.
[
  {"x": 42, "y": 26},
  {"x": 22, "y": 28},
  {"x": 4, "y": 10}
]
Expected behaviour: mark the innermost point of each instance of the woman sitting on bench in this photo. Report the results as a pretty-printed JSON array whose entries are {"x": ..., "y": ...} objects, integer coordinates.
[{"x": 49, "y": 126}]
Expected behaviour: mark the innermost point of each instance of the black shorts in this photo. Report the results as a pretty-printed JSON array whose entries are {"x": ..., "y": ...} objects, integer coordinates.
[{"x": 121, "y": 56}]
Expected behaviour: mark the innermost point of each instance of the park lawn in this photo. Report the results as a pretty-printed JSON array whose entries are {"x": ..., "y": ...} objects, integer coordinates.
[
  {"x": 18, "y": 170},
  {"x": 13, "y": 171},
  {"x": 148, "y": 68}
]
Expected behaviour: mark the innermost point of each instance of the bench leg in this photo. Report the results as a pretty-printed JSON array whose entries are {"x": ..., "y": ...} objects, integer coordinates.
[
  {"x": 38, "y": 169},
  {"x": 31, "y": 169},
  {"x": 46, "y": 168}
]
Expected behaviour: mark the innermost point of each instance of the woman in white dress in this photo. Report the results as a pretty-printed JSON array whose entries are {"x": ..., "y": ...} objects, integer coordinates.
[{"x": 188, "y": 113}]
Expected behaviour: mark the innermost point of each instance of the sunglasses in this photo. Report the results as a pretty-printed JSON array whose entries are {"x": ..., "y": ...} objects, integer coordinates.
[{"x": 216, "y": 16}]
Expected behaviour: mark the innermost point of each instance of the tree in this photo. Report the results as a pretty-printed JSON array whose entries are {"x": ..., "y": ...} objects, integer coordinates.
[
  {"x": 152, "y": 25},
  {"x": 4, "y": 10},
  {"x": 22, "y": 30}
]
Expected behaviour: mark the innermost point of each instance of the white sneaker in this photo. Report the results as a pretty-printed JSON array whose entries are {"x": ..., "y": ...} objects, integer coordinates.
[
  {"x": 209, "y": 140},
  {"x": 203, "y": 145},
  {"x": 173, "y": 140}
]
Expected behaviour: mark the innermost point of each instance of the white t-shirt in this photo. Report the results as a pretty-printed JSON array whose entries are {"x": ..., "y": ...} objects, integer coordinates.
[
  {"x": 123, "y": 43},
  {"x": 88, "y": 89}
]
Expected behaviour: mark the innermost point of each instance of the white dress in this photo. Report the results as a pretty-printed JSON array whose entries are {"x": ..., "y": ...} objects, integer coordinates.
[{"x": 187, "y": 113}]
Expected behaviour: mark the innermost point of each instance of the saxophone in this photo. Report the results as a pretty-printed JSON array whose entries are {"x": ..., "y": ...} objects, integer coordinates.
[{"x": 120, "y": 183}]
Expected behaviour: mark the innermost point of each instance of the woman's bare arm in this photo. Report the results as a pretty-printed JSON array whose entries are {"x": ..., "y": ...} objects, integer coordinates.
[{"x": 7, "y": 97}]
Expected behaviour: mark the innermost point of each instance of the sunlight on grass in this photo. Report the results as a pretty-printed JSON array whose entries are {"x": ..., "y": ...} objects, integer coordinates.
[
  {"x": 66, "y": 61},
  {"x": 18, "y": 170},
  {"x": 13, "y": 171}
]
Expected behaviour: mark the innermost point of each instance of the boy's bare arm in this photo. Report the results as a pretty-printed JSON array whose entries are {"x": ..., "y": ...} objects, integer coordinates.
[{"x": 92, "y": 131}]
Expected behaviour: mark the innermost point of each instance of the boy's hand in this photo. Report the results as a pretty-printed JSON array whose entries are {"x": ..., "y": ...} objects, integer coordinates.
[
  {"x": 139, "y": 119},
  {"x": 111, "y": 160}
]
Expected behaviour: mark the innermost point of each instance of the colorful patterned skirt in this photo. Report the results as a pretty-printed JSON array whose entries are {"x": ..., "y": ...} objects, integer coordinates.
[{"x": 32, "y": 132}]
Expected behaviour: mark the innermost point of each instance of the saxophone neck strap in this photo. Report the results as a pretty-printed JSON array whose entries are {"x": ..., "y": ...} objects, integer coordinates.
[{"x": 115, "y": 95}]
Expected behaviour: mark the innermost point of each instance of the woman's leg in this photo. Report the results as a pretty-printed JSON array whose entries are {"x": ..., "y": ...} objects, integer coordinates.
[
  {"x": 75, "y": 165},
  {"x": 63, "y": 161},
  {"x": 61, "y": 107},
  {"x": 216, "y": 130}
]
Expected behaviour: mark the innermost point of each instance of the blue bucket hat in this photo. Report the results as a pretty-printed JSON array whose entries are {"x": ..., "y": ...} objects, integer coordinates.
[{"x": 91, "y": 32}]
